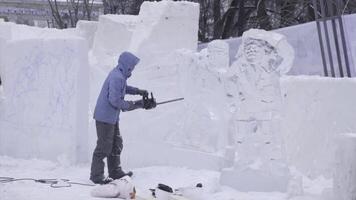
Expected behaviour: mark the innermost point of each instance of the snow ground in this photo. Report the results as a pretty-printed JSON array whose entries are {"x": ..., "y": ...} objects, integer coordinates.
[{"x": 144, "y": 179}]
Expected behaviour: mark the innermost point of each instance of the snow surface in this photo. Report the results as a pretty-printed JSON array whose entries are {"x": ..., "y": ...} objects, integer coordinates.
[{"x": 144, "y": 179}]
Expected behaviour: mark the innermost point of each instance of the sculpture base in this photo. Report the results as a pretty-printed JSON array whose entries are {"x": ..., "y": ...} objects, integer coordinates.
[{"x": 257, "y": 180}]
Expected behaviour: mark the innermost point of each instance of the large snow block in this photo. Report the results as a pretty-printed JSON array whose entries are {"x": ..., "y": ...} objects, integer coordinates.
[
  {"x": 164, "y": 27},
  {"x": 5, "y": 30},
  {"x": 45, "y": 112},
  {"x": 345, "y": 170},
  {"x": 2, "y": 44},
  {"x": 315, "y": 109},
  {"x": 112, "y": 38},
  {"x": 87, "y": 30},
  {"x": 21, "y": 32}
]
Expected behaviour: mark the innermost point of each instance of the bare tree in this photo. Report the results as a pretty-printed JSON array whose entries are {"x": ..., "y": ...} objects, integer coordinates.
[{"x": 67, "y": 14}]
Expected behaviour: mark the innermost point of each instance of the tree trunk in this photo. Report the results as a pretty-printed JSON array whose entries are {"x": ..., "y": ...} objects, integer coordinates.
[{"x": 230, "y": 17}]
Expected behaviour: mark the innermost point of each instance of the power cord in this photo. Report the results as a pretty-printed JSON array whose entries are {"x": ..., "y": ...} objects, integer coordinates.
[{"x": 54, "y": 183}]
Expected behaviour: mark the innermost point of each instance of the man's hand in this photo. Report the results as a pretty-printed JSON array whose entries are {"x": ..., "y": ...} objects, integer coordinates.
[
  {"x": 143, "y": 93},
  {"x": 149, "y": 103}
]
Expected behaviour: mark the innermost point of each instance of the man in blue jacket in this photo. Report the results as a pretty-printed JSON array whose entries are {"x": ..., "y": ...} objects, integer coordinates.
[{"x": 107, "y": 111}]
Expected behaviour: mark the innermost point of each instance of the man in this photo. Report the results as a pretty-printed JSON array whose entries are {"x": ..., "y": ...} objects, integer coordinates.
[{"x": 107, "y": 110}]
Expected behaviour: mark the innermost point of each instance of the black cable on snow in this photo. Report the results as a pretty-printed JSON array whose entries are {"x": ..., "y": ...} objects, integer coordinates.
[{"x": 54, "y": 183}]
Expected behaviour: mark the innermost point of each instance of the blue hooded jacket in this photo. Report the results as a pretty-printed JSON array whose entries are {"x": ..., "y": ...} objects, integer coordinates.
[{"x": 111, "y": 98}]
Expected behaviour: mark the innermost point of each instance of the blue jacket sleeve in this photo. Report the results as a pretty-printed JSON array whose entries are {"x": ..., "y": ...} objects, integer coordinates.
[
  {"x": 116, "y": 95},
  {"x": 131, "y": 90}
]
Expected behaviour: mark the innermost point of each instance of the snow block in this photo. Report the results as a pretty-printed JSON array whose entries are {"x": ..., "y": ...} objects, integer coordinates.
[
  {"x": 5, "y": 30},
  {"x": 21, "y": 32},
  {"x": 315, "y": 109},
  {"x": 345, "y": 169},
  {"x": 45, "y": 113},
  {"x": 164, "y": 27},
  {"x": 87, "y": 29},
  {"x": 2, "y": 45},
  {"x": 112, "y": 38}
]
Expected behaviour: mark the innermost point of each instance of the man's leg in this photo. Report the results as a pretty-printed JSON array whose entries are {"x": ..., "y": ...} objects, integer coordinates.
[
  {"x": 103, "y": 149},
  {"x": 114, "y": 163}
]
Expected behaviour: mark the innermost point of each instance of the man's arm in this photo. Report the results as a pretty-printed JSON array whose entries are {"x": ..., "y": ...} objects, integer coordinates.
[
  {"x": 136, "y": 91},
  {"x": 116, "y": 97},
  {"x": 132, "y": 90}
]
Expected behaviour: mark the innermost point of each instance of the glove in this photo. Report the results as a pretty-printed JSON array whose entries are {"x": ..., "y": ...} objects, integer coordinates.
[
  {"x": 143, "y": 93},
  {"x": 135, "y": 105},
  {"x": 149, "y": 103}
]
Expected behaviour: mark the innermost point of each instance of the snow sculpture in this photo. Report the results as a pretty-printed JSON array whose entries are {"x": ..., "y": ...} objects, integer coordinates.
[
  {"x": 345, "y": 169},
  {"x": 253, "y": 88},
  {"x": 45, "y": 112},
  {"x": 204, "y": 125},
  {"x": 164, "y": 27}
]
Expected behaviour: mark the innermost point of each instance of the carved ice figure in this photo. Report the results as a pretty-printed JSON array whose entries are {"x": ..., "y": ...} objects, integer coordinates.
[
  {"x": 202, "y": 84},
  {"x": 255, "y": 98}
]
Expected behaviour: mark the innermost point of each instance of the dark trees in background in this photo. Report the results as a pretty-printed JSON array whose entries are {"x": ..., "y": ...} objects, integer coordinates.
[
  {"x": 219, "y": 19},
  {"x": 237, "y": 16},
  {"x": 67, "y": 14}
]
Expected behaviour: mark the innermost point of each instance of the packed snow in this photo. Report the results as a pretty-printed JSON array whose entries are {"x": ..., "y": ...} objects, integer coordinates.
[
  {"x": 145, "y": 178},
  {"x": 51, "y": 79}
]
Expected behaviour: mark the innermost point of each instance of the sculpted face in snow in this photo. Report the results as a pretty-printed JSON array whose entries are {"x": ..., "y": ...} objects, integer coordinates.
[{"x": 253, "y": 50}]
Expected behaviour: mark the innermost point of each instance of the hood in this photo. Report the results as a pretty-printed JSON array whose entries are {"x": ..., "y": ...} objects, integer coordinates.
[{"x": 126, "y": 63}]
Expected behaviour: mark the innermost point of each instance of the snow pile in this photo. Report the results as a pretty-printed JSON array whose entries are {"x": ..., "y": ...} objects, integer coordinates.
[
  {"x": 44, "y": 114},
  {"x": 315, "y": 110},
  {"x": 112, "y": 37},
  {"x": 164, "y": 27},
  {"x": 345, "y": 170}
]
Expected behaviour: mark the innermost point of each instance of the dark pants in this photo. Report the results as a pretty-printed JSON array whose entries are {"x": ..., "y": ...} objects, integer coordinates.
[{"x": 109, "y": 145}]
